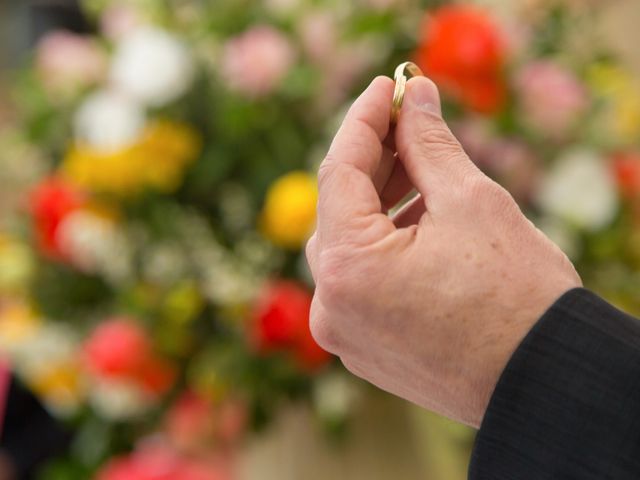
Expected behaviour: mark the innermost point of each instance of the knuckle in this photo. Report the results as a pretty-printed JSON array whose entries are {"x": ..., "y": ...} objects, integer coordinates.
[
  {"x": 334, "y": 285},
  {"x": 326, "y": 169},
  {"x": 483, "y": 192},
  {"x": 323, "y": 330},
  {"x": 438, "y": 138},
  {"x": 331, "y": 169},
  {"x": 476, "y": 189}
]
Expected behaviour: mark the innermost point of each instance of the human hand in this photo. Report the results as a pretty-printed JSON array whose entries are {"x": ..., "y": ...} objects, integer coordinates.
[{"x": 430, "y": 304}]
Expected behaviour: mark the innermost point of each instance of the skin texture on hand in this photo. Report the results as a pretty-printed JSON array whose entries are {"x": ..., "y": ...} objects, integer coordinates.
[{"x": 431, "y": 303}]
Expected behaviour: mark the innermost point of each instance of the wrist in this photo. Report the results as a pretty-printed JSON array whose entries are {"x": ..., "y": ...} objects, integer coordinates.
[{"x": 500, "y": 346}]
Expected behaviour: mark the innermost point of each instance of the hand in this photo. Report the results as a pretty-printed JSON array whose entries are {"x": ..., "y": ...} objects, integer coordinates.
[{"x": 430, "y": 304}]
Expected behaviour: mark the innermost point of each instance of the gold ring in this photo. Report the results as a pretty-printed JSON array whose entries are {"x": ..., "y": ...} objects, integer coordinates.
[{"x": 401, "y": 82}]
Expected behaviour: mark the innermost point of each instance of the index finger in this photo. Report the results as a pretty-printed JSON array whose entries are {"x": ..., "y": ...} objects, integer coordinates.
[{"x": 348, "y": 199}]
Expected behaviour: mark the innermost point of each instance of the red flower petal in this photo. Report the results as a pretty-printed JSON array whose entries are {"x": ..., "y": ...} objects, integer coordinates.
[
  {"x": 50, "y": 202},
  {"x": 462, "y": 51}
]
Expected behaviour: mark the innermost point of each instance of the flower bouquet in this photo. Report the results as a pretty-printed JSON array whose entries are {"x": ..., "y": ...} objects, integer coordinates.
[{"x": 158, "y": 187}]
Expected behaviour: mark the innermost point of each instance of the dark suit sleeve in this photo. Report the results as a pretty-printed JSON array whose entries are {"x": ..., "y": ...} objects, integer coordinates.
[
  {"x": 567, "y": 405},
  {"x": 30, "y": 436}
]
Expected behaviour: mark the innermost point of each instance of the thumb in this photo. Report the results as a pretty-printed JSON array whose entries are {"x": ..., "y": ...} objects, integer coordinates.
[{"x": 432, "y": 157}]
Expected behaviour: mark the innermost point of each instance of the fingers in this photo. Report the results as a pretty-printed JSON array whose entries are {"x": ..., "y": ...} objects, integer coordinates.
[
  {"x": 432, "y": 157},
  {"x": 391, "y": 179},
  {"x": 397, "y": 187},
  {"x": 347, "y": 194},
  {"x": 385, "y": 169}
]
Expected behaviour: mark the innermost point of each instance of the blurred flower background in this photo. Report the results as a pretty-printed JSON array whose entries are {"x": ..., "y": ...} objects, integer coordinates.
[{"x": 157, "y": 186}]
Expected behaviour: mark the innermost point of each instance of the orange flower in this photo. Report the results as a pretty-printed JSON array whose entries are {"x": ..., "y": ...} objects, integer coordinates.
[
  {"x": 626, "y": 166},
  {"x": 461, "y": 49}
]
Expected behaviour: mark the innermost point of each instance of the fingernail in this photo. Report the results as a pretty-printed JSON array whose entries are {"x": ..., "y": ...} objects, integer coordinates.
[{"x": 423, "y": 94}]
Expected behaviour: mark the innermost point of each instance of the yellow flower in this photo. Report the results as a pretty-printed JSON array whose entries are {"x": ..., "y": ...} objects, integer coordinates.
[
  {"x": 157, "y": 161},
  {"x": 183, "y": 303},
  {"x": 619, "y": 91},
  {"x": 18, "y": 324},
  {"x": 16, "y": 265},
  {"x": 289, "y": 213},
  {"x": 60, "y": 385}
]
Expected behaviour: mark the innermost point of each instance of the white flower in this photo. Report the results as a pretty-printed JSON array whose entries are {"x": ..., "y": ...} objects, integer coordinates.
[
  {"x": 580, "y": 190},
  {"x": 565, "y": 237},
  {"x": 47, "y": 362},
  {"x": 153, "y": 66},
  {"x": 51, "y": 343},
  {"x": 108, "y": 120},
  {"x": 226, "y": 282},
  {"x": 163, "y": 264},
  {"x": 334, "y": 395},
  {"x": 117, "y": 399},
  {"x": 94, "y": 243}
]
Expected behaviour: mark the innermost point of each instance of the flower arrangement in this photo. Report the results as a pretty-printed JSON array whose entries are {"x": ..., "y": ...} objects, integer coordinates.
[{"x": 161, "y": 174}]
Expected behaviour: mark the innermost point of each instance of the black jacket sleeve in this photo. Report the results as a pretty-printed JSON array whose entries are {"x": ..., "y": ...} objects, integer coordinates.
[
  {"x": 567, "y": 405},
  {"x": 30, "y": 436}
]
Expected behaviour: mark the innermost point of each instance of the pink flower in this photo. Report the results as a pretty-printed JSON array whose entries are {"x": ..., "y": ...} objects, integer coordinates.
[
  {"x": 517, "y": 168},
  {"x": 319, "y": 35},
  {"x": 477, "y": 136},
  {"x": 194, "y": 422},
  {"x": 256, "y": 61},
  {"x": 119, "y": 20},
  {"x": 66, "y": 61},
  {"x": 232, "y": 421},
  {"x": 512, "y": 163},
  {"x": 119, "y": 348},
  {"x": 190, "y": 421},
  {"x": 344, "y": 68},
  {"x": 157, "y": 461},
  {"x": 551, "y": 97},
  {"x": 342, "y": 63}
]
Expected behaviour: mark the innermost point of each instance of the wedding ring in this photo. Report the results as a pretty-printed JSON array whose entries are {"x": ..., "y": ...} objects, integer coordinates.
[{"x": 401, "y": 82}]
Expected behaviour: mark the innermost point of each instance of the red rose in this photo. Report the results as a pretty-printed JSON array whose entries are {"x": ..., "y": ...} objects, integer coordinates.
[
  {"x": 50, "y": 202},
  {"x": 626, "y": 167},
  {"x": 156, "y": 375},
  {"x": 281, "y": 323},
  {"x": 462, "y": 50},
  {"x": 118, "y": 348},
  {"x": 309, "y": 354},
  {"x": 281, "y": 310}
]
